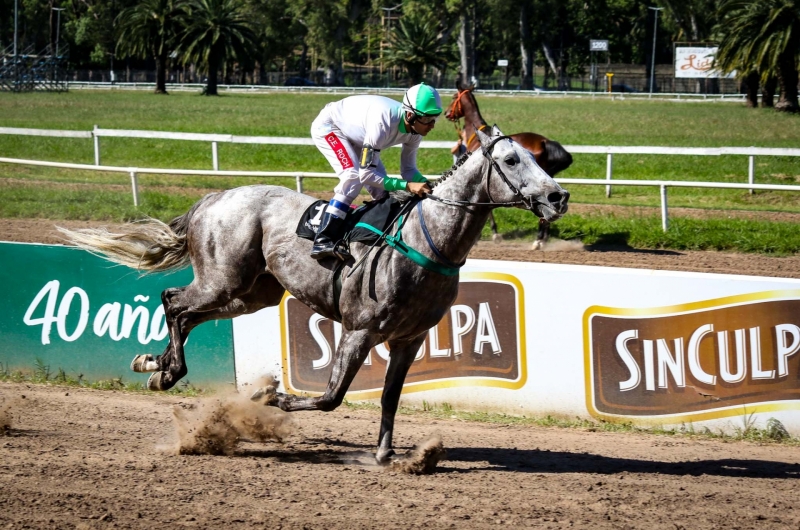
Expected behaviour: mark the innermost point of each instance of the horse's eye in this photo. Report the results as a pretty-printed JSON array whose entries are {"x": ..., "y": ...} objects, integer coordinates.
[{"x": 510, "y": 160}]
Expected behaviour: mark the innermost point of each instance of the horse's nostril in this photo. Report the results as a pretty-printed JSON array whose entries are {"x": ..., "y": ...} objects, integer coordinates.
[{"x": 558, "y": 196}]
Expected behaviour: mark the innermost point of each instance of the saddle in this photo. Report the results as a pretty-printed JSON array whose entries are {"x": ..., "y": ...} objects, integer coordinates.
[{"x": 377, "y": 214}]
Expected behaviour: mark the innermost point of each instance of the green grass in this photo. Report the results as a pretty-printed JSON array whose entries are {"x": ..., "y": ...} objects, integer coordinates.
[
  {"x": 741, "y": 235},
  {"x": 64, "y": 194},
  {"x": 773, "y": 431},
  {"x": 41, "y": 373}
]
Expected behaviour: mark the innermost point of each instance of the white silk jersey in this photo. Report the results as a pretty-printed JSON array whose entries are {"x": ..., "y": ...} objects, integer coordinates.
[{"x": 374, "y": 121}]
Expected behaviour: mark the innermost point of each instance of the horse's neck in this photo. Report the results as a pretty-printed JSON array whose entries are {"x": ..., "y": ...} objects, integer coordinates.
[
  {"x": 454, "y": 229},
  {"x": 472, "y": 121}
]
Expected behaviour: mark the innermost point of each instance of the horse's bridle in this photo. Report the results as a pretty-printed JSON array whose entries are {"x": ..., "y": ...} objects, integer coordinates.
[
  {"x": 528, "y": 202},
  {"x": 457, "y": 105}
]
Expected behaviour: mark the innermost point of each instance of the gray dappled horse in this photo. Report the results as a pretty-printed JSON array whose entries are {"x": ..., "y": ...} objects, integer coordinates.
[{"x": 245, "y": 253}]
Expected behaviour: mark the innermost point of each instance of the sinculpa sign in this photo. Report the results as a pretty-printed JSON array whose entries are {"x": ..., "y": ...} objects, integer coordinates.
[
  {"x": 649, "y": 347},
  {"x": 72, "y": 310},
  {"x": 696, "y": 361},
  {"x": 480, "y": 342}
]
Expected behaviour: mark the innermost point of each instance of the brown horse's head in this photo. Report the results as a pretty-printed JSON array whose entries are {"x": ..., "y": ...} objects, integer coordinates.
[{"x": 455, "y": 111}]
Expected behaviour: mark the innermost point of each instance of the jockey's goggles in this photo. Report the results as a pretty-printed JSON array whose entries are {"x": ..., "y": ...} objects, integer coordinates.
[{"x": 427, "y": 120}]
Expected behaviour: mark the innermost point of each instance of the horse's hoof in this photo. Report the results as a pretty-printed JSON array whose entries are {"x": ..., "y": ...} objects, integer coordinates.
[
  {"x": 537, "y": 245},
  {"x": 384, "y": 458},
  {"x": 497, "y": 238},
  {"x": 268, "y": 391},
  {"x": 144, "y": 363},
  {"x": 154, "y": 381}
]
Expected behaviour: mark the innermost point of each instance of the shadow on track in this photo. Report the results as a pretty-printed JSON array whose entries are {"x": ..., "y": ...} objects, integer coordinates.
[
  {"x": 531, "y": 461},
  {"x": 536, "y": 461}
]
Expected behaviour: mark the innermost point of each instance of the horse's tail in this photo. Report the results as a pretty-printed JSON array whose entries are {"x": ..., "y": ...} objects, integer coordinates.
[{"x": 148, "y": 245}]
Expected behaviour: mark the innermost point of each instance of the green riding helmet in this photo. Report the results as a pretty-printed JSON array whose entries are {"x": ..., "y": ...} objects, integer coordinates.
[{"x": 422, "y": 100}]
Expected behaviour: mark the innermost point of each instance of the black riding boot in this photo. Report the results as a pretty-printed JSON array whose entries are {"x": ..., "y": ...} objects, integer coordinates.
[{"x": 326, "y": 243}]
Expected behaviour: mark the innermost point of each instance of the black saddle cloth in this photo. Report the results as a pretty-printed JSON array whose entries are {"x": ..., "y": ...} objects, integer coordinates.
[{"x": 378, "y": 214}]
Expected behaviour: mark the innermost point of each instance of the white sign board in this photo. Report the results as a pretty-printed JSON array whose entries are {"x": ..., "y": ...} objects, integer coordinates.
[
  {"x": 598, "y": 45},
  {"x": 641, "y": 346},
  {"x": 502, "y": 62},
  {"x": 697, "y": 63}
]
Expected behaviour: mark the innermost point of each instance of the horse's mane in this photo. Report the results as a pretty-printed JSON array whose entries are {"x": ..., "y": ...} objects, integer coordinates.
[
  {"x": 558, "y": 158},
  {"x": 452, "y": 170}
]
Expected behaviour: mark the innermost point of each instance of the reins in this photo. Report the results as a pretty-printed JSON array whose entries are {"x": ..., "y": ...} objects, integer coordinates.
[
  {"x": 444, "y": 266},
  {"x": 487, "y": 153}
]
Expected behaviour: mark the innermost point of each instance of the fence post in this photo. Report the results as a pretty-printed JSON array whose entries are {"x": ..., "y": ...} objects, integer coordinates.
[
  {"x": 96, "y": 146},
  {"x": 299, "y": 179},
  {"x": 664, "y": 215},
  {"x": 214, "y": 156},
  {"x": 135, "y": 188},
  {"x": 751, "y": 171},
  {"x": 609, "y": 170}
]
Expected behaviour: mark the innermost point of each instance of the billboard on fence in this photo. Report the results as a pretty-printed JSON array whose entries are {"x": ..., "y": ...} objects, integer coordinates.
[
  {"x": 697, "y": 62},
  {"x": 701, "y": 360},
  {"x": 480, "y": 342},
  {"x": 633, "y": 345},
  {"x": 75, "y": 311}
]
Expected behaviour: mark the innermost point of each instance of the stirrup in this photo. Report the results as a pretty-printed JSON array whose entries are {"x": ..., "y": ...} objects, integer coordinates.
[{"x": 336, "y": 250}]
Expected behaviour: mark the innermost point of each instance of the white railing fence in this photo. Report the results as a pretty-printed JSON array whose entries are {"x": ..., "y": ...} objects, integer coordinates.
[
  {"x": 397, "y": 91},
  {"x": 215, "y": 139}
]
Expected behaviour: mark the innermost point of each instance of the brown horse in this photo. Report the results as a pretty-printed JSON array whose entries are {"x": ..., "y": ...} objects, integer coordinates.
[{"x": 549, "y": 154}]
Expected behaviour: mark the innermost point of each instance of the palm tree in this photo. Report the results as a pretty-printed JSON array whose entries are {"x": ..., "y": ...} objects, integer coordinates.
[
  {"x": 417, "y": 42},
  {"x": 148, "y": 29},
  {"x": 215, "y": 31},
  {"x": 762, "y": 35}
]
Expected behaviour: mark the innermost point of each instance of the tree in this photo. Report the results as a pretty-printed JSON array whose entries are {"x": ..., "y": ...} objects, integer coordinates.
[
  {"x": 213, "y": 32},
  {"x": 416, "y": 42},
  {"x": 149, "y": 29},
  {"x": 765, "y": 36}
]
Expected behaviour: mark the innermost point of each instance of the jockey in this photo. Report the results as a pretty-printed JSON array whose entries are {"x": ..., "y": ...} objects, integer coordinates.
[{"x": 357, "y": 128}]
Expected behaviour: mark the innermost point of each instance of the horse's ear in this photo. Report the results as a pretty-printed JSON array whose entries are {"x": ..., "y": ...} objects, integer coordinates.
[
  {"x": 483, "y": 138},
  {"x": 496, "y": 131}
]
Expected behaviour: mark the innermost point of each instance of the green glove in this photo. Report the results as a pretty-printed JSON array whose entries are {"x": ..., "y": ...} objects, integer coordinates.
[{"x": 393, "y": 184}]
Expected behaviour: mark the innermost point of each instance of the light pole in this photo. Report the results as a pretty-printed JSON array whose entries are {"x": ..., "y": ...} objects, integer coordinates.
[
  {"x": 15, "y": 29},
  {"x": 16, "y": 57},
  {"x": 653, "y": 59},
  {"x": 58, "y": 10}
]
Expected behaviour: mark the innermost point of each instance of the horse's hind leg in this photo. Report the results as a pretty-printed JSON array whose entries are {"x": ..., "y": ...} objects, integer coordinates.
[
  {"x": 265, "y": 292},
  {"x": 350, "y": 355},
  {"x": 400, "y": 360}
]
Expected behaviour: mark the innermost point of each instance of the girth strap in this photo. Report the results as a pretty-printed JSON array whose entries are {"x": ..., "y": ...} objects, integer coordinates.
[
  {"x": 337, "y": 290},
  {"x": 399, "y": 245}
]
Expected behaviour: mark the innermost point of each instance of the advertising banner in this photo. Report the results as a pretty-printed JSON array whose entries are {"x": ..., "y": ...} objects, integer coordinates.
[
  {"x": 71, "y": 310},
  {"x": 478, "y": 343},
  {"x": 696, "y": 62},
  {"x": 695, "y": 361},
  {"x": 642, "y": 346}
]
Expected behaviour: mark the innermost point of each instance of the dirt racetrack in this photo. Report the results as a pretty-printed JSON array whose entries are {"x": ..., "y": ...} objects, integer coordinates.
[{"x": 77, "y": 458}]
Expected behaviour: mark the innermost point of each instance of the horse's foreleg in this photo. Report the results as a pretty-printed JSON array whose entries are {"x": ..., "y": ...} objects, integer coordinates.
[
  {"x": 350, "y": 355},
  {"x": 542, "y": 235},
  {"x": 400, "y": 360}
]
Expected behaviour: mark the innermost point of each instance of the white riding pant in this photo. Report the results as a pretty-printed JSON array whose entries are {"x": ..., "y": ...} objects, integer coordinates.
[{"x": 343, "y": 158}]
